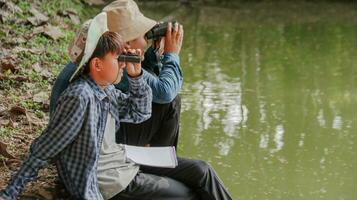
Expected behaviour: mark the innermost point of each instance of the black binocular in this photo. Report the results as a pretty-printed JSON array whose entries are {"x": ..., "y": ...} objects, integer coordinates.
[
  {"x": 158, "y": 31},
  {"x": 133, "y": 58}
]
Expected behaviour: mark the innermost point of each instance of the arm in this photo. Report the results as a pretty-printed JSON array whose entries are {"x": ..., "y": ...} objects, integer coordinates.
[
  {"x": 167, "y": 85},
  {"x": 169, "y": 81},
  {"x": 61, "y": 131},
  {"x": 134, "y": 107}
]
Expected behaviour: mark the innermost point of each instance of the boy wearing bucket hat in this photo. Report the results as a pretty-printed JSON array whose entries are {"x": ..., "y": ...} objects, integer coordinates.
[{"x": 88, "y": 109}]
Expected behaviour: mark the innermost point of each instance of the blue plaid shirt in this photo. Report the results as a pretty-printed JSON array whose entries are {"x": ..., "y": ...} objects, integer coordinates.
[{"x": 75, "y": 132}]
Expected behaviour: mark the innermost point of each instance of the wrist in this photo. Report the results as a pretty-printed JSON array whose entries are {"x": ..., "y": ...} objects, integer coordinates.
[
  {"x": 135, "y": 75},
  {"x": 136, "y": 82},
  {"x": 168, "y": 54},
  {"x": 170, "y": 51}
]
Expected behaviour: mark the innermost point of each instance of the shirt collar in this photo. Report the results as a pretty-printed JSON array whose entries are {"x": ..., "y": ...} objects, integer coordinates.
[{"x": 98, "y": 91}]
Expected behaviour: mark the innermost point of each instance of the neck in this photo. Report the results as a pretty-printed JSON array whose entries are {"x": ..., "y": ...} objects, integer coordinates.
[{"x": 102, "y": 84}]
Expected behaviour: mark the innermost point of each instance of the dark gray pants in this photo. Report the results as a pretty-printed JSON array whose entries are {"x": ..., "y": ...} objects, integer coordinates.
[
  {"x": 191, "y": 179},
  {"x": 150, "y": 186}
]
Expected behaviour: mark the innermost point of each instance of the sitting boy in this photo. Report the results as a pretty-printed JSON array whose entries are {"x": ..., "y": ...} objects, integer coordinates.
[{"x": 83, "y": 113}]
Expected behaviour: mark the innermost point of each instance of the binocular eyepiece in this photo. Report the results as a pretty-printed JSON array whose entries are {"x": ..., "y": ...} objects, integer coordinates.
[{"x": 158, "y": 31}]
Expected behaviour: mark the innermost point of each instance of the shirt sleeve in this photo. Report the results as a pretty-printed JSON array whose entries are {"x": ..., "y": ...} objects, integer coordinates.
[
  {"x": 167, "y": 84},
  {"x": 62, "y": 129},
  {"x": 134, "y": 106}
]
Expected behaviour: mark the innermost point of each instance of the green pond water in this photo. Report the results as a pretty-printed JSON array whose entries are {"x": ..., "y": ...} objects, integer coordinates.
[{"x": 269, "y": 96}]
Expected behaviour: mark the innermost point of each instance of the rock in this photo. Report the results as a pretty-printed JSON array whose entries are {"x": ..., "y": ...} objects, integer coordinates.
[
  {"x": 38, "y": 17},
  {"x": 53, "y": 32},
  {"x": 7, "y": 9},
  {"x": 72, "y": 14}
]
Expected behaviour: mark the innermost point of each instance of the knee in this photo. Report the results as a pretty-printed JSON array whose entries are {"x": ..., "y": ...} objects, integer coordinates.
[{"x": 202, "y": 168}]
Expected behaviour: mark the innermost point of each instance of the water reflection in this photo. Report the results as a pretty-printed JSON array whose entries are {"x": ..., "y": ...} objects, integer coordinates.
[
  {"x": 337, "y": 123},
  {"x": 278, "y": 138},
  {"x": 321, "y": 119},
  {"x": 217, "y": 100}
]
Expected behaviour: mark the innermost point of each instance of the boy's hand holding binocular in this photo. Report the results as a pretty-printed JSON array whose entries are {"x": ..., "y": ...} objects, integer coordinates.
[{"x": 133, "y": 68}]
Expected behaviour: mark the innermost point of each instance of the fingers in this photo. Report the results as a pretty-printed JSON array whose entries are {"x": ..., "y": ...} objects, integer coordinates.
[
  {"x": 133, "y": 51},
  {"x": 134, "y": 67},
  {"x": 175, "y": 31},
  {"x": 174, "y": 40},
  {"x": 138, "y": 52},
  {"x": 179, "y": 35},
  {"x": 168, "y": 31}
]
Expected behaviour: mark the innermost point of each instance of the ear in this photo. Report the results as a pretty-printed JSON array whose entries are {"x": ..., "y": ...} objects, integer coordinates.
[{"x": 97, "y": 64}]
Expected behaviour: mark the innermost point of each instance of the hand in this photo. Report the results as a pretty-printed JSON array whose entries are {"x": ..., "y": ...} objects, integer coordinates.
[
  {"x": 133, "y": 69},
  {"x": 159, "y": 45},
  {"x": 173, "y": 38},
  {"x": 1, "y": 198}
]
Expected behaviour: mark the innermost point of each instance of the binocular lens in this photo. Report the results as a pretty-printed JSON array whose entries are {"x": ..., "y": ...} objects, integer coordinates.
[{"x": 158, "y": 31}]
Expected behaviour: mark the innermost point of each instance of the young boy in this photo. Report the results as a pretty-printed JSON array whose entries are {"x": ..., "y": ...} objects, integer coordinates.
[{"x": 83, "y": 114}]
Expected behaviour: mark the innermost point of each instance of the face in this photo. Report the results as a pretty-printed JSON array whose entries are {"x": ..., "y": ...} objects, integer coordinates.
[
  {"x": 108, "y": 69},
  {"x": 138, "y": 43}
]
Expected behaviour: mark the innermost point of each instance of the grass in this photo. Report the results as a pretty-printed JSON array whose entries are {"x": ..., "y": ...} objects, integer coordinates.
[
  {"x": 30, "y": 105},
  {"x": 6, "y": 132},
  {"x": 53, "y": 54}
]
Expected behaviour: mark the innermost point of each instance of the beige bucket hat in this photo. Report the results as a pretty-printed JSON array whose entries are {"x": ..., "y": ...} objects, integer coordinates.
[
  {"x": 121, "y": 16},
  {"x": 125, "y": 18},
  {"x": 87, "y": 37}
]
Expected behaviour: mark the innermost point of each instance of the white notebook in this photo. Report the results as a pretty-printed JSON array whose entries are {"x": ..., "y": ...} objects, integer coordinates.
[{"x": 152, "y": 156}]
